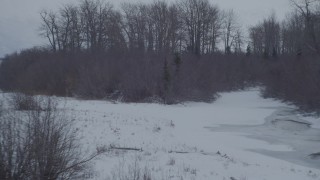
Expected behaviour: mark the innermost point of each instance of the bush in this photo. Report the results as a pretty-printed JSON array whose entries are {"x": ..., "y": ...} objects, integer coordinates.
[
  {"x": 39, "y": 144},
  {"x": 23, "y": 102},
  {"x": 131, "y": 171}
]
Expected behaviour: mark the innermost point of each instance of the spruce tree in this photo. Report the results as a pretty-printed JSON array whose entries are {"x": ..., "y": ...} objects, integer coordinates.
[
  {"x": 177, "y": 62},
  {"x": 248, "y": 51},
  {"x": 274, "y": 53},
  {"x": 166, "y": 75},
  {"x": 166, "y": 79}
]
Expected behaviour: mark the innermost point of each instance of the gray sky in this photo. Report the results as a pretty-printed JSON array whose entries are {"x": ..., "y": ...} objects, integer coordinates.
[{"x": 19, "y": 19}]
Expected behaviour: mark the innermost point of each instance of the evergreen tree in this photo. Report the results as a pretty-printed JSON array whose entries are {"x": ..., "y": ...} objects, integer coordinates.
[
  {"x": 166, "y": 75},
  {"x": 265, "y": 54},
  {"x": 228, "y": 50},
  {"x": 248, "y": 51},
  {"x": 274, "y": 53},
  {"x": 167, "y": 80},
  {"x": 177, "y": 62}
]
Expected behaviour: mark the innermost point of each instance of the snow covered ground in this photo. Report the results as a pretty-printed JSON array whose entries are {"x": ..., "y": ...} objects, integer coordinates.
[{"x": 240, "y": 136}]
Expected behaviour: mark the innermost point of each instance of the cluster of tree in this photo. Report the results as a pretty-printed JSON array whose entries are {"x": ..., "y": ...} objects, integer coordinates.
[
  {"x": 294, "y": 80},
  {"x": 131, "y": 77},
  {"x": 294, "y": 73},
  {"x": 168, "y": 53},
  {"x": 298, "y": 34},
  {"x": 145, "y": 52},
  {"x": 186, "y": 26}
]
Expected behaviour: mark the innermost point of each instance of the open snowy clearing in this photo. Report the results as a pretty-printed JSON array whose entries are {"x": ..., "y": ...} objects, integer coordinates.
[{"x": 241, "y": 136}]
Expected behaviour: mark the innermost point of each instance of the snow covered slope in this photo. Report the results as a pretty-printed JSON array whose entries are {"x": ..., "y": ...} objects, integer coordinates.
[{"x": 241, "y": 136}]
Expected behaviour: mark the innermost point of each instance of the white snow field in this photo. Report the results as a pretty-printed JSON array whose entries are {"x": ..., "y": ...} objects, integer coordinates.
[{"x": 241, "y": 136}]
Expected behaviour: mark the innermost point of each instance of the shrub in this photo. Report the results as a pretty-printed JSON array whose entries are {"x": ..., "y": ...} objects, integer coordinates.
[
  {"x": 40, "y": 144},
  {"x": 131, "y": 171},
  {"x": 23, "y": 102}
]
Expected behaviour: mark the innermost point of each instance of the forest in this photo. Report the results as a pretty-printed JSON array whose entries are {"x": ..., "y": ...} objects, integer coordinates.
[
  {"x": 189, "y": 50},
  {"x": 134, "y": 60}
]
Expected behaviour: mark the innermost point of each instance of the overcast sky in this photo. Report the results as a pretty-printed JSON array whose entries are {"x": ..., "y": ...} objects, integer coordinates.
[{"x": 19, "y": 19}]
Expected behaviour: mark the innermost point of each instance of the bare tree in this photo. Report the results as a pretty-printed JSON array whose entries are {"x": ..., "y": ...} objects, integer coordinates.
[
  {"x": 292, "y": 38},
  {"x": 238, "y": 42},
  {"x": 93, "y": 26},
  {"x": 256, "y": 35},
  {"x": 307, "y": 9},
  {"x": 175, "y": 33},
  {"x": 230, "y": 29},
  {"x": 265, "y": 37},
  {"x": 49, "y": 29},
  {"x": 215, "y": 27},
  {"x": 135, "y": 25},
  {"x": 70, "y": 28},
  {"x": 95, "y": 15},
  {"x": 115, "y": 38},
  {"x": 198, "y": 17},
  {"x": 271, "y": 36},
  {"x": 160, "y": 16}
]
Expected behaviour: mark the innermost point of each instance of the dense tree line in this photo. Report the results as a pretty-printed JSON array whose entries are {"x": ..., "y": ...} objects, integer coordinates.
[
  {"x": 298, "y": 34},
  {"x": 186, "y": 26},
  {"x": 169, "y": 52},
  {"x": 294, "y": 80},
  {"x": 292, "y": 49},
  {"x": 129, "y": 77}
]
